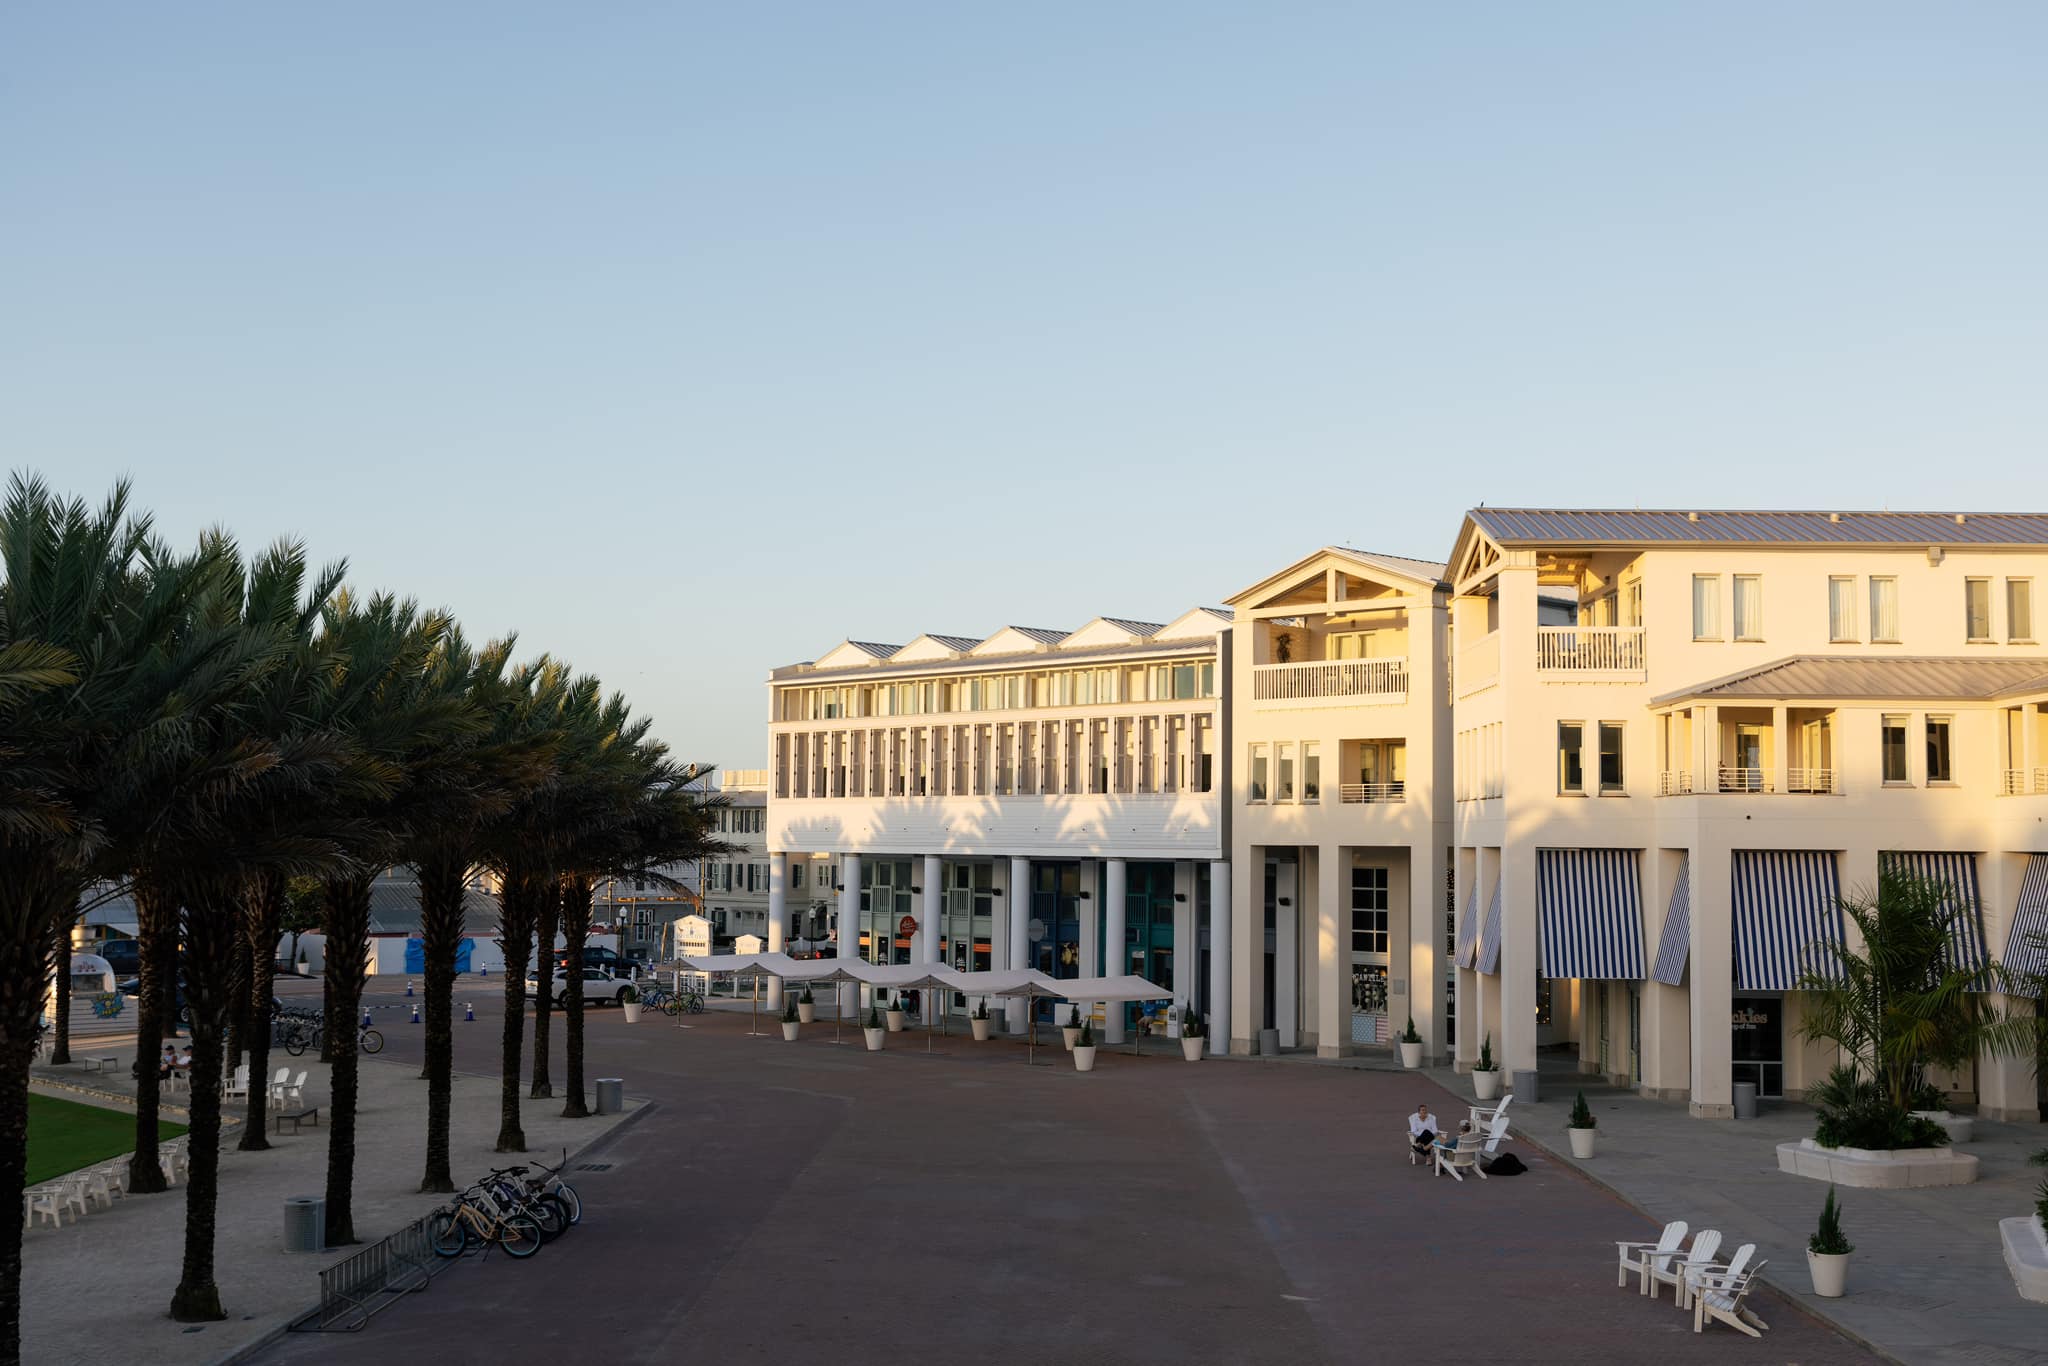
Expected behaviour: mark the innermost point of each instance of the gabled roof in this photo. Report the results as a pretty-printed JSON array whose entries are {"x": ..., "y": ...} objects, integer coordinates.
[
  {"x": 1415, "y": 571},
  {"x": 1406, "y": 572},
  {"x": 1111, "y": 631},
  {"x": 1012, "y": 639},
  {"x": 1667, "y": 527},
  {"x": 1862, "y": 678},
  {"x": 854, "y": 652},
  {"x": 932, "y": 646},
  {"x": 1197, "y": 623}
]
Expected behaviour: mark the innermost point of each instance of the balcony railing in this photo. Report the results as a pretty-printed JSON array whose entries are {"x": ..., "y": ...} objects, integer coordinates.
[
  {"x": 1590, "y": 653},
  {"x": 1320, "y": 682},
  {"x": 1372, "y": 792},
  {"x": 1478, "y": 664},
  {"x": 1674, "y": 784},
  {"x": 1745, "y": 780},
  {"x": 1810, "y": 780},
  {"x": 2019, "y": 782}
]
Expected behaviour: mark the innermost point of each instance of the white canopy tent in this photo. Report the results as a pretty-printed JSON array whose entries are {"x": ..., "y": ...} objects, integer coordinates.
[
  {"x": 744, "y": 965},
  {"x": 1114, "y": 991}
]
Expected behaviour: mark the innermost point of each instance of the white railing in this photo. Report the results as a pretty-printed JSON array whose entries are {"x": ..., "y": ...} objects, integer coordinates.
[
  {"x": 1372, "y": 792},
  {"x": 1810, "y": 780},
  {"x": 1745, "y": 780},
  {"x": 1674, "y": 784},
  {"x": 1326, "y": 680},
  {"x": 2019, "y": 781},
  {"x": 1589, "y": 649},
  {"x": 1479, "y": 664}
]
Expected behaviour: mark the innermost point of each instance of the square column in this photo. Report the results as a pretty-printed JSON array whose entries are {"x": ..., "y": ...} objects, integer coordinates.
[
  {"x": 1465, "y": 1047},
  {"x": 1518, "y": 959},
  {"x": 1220, "y": 1013},
  {"x": 925, "y": 945},
  {"x": 846, "y": 942},
  {"x": 1488, "y": 1014},
  {"x": 778, "y": 918},
  {"x": 2005, "y": 1086},
  {"x": 1116, "y": 956},
  {"x": 1242, "y": 900},
  {"x": 1019, "y": 900},
  {"x": 1287, "y": 953},
  {"x": 1713, "y": 985},
  {"x": 1426, "y": 877},
  {"x": 1333, "y": 957},
  {"x": 1667, "y": 1032}
]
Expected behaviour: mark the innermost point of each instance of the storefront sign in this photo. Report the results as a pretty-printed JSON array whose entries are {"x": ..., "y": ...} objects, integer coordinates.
[
  {"x": 1745, "y": 1018},
  {"x": 907, "y": 926}
]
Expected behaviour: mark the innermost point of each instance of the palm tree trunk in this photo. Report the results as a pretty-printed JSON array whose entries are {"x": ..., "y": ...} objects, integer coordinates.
[
  {"x": 576, "y": 931},
  {"x": 547, "y": 916},
  {"x": 60, "y": 1038},
  {"x": 209, "y": 984},
  {"x": 156, "y": 924},
  {"x": 441, "y": 925},
  {"x": 348, "y": 945},
  {"x": 262, "y": 908},
  {"x": 237, "y": 988},
  {"x": 516, "y": 927},
  {"x": 34, "y": 916}
]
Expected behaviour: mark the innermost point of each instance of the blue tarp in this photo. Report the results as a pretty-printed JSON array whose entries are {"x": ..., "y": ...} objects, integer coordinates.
[{"x": 416, "y": 956}]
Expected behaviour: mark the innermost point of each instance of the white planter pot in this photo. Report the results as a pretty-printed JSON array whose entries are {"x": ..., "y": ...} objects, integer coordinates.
[
  {"x": 1830, "y": 1272},
  {"x": 1961, "y": 1128},
  {"x": 632, "y": 1009},
  {"x": 1411, "y": 1054},
  {"x": 1069, "y": 1033},
  {"x": 875, "y": 1038},
  {"x": 1084, "y": 1058},
  {"x": 980, "y": 1028},
  {"x": 806, "y": 1012},
  {"x": 1191, "y": 1049},
  {"x": 1486, "y": 1085},
  {"x": 1582, "y": 1142},
  {"x": 1173, "y": 1025},
  {"x": 789, "y": 1029},
  {"x": 894, "y": 1019}
]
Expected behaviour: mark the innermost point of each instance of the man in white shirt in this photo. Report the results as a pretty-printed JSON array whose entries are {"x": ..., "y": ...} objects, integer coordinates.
[{"x": 1422, "y": 1129}]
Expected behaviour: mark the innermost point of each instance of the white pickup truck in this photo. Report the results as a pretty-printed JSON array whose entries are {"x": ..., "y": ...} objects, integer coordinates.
[{"x": 598, "y": 986}]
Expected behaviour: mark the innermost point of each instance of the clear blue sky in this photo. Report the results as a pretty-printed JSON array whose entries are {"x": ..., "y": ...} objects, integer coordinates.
[{"x": 689, "y": 339}]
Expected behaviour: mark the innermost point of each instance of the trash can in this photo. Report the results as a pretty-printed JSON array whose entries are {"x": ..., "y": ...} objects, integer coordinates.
[
  {"x": 1269, "y": 1043},
  {"x": 611, "y": 1095},
  {"x": 1525, "y": 1087},
  {"x": 305, "y": 1223},
  {"x": 1745, "y": 1100}
]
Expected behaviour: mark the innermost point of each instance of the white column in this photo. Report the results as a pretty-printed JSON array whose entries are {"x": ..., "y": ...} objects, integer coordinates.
[
  {"x": 847, "y": 941},
  {"x": 778, "y": 917},
  {"x": 1218, "y": 1023},
  {"x": 1019, "y": 898},
  {"x": 1287, "y": 953},
  {"x": 1333, "y": 952},
  {"x": 1517, "y": 960},
  {"x": 1116, "y": 958},
  {"x": 1712, "y": 994},
  {"x": 926, "y": 949}
]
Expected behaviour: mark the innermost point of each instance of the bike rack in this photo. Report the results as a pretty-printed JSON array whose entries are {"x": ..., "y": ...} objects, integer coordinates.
[{"x": 356, "y": 1288}]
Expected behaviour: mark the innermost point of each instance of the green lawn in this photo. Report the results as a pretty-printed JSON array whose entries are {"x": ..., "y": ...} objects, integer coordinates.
[{"x": 64, "y": 1136}]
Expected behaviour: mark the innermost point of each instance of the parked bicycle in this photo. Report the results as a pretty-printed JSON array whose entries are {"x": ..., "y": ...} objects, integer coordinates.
[
  {"x": 481, "y": 1215},
  {"x": 687, "y": 1000},
  {"x": 300, "y": 1035}
]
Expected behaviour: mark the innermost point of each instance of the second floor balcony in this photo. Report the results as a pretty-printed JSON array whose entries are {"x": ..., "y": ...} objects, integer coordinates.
[
  {"x": 1330, "y": 682},
  {"x": 1590, "y": 654}
]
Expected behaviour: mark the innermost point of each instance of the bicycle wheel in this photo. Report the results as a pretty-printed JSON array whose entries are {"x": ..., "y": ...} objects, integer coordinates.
[
  {"x": 565, "y": 1193},
  {"x": 696, "y": 1005},
  {"x": 547, "y": 1213},
  {"x": 671, "y": 1007},
  {"x": 519, "y": 1235},
  {"x": 295, "y": 1042},
  {"x": 449, "y": 1232},
  {"x": 372, "y": 1041}
]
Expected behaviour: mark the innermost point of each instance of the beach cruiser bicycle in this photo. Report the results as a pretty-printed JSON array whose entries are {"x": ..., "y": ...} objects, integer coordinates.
[{"x": 482, "y": 1215}]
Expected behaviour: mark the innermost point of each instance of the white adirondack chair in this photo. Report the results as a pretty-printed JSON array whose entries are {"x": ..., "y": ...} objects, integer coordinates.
[
  {"x": 277, "y": 1083},
  {"x": 1457, "y": 1161},
  {"x": 1496, "y": 1136},
  {"x": 1631, "y": 1257},
  {"x": 238, "y": 1085},
  {"x": 1696, "y": 1276},
  {"x": 1699, "y": 1256},
  {"x": 295, "y": 1089},
  {"x": 1720, "y": 1296},
  {"x": 1484, "y": 1115},
  {"x": 47, "y": 1201}
]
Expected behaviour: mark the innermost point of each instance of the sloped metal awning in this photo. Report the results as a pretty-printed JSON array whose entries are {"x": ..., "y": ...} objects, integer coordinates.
[{"x": 1589, "y": 911}]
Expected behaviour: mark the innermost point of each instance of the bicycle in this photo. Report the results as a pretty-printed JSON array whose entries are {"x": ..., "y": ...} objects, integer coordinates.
[
  {"x": 479, "y": 1216},
  {"x": 550, "y": 1183},
  {"x": 554, "y": 1213},
  {"x": 687, "y": 1000},
  {"x": 301, "y": 1035}
]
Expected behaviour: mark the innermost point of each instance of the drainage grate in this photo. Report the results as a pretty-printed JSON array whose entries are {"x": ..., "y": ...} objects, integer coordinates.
[{"x": 593, "y": 1166}]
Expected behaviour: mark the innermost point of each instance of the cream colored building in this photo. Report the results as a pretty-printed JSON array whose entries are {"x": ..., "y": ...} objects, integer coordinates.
[{"x": 1656, "y": 807}]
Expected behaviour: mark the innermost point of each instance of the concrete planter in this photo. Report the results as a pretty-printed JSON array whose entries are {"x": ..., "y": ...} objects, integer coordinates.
[
  {"x": 894, "y": 1019},
  {"x": 1411, "y": 1054},
  {"x": 875, "y": 1038},
  {"x": 1830, "y": 1272},
  {"x": 806, "y": 1012},
  {"x": 1191, "y": 1049},
  {"x": 1486, "y": 1085},
  {"x": 980, "y": 1028},
  {"x": 2026, "y": 1256},
  {"x": 1084, "y": 1058},
  {"x": 1068, "y": 1034},
  {"x": 632, "y": 1010},
  {"x": 1583, "y": 1142},
  {"x": 1877, "y": 1169},
  {"x": 1961, "y": 1128},
  {"x": 789, "y": 1029}
]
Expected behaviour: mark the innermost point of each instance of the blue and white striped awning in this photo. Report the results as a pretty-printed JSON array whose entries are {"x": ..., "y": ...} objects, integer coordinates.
[
  {"x": 1489, "y": 941},
  {"x": 1957, "y": 872},
  {"x": 1788, "y": 911},
  {"x": 1674, "y": 944},
  {"x": 1468, "y": 927},
  {"x": 1590, "y": 913},
  {"x": 2026, "y": 944}
]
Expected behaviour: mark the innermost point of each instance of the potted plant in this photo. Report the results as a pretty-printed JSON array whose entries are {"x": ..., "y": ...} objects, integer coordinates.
[
  {"x": 1071, "y": 1030},
  {"x": 1411, "y": 1045},
  {"x": 1486, "y": 1072},
  {"x": 1580, "y": 1128},
  {"x": 791, "y": 1021},
  {"x": 629, "y": 1002},
  {"x": 978, "y": 1021},
  {"x": 1827, "y": 1252},
  {"x": 1190, "y": 1035},
  {"x": 874, "y": 1029},
  {"x": 1084, "y": 1049},
  {"x": 806, "y": 1006},
  {"x": 894, "y": 1015}
]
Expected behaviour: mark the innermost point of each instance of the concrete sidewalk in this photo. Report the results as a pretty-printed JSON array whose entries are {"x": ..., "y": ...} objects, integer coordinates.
[
  {"x": 1928, "y": 1282},
  {"x": 101, "y": 1287}
]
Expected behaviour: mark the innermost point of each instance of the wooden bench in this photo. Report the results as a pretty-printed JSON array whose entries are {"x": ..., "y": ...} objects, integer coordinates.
[
  {"x": 101, "y": 1064},
  {"x": 298, "y": 1117}
]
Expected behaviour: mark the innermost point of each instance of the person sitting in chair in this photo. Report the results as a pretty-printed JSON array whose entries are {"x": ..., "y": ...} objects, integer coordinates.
[
  {"x": 1447, "y": 1143},
  {"x": 1422, "y": 1129}
]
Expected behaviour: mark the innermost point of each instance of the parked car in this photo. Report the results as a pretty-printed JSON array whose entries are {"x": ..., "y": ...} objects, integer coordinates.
[
  {"x": 124, "y": 956},
  {"x": 598, "y": 956},
  {"x": 598, "y": 986}
]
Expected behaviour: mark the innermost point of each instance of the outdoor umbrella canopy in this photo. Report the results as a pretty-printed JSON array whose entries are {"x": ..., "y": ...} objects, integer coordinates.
[
  {"x": 902, "y": 977},
  {"x": 1114, "y": 990},
  {"x": 826, "y": 970},
  {"x": 739, "y": 965},
  {"x": 1028, "y": 983}
]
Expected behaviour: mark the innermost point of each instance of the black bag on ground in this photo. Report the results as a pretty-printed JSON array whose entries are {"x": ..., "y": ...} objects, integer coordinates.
[{"x": 1507, "y": 1164}]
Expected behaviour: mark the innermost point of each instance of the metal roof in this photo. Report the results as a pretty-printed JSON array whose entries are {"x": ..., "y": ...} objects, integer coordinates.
[
  {"x": 877, "y": 650},
  {"x": 1400, "y": 564},
  {"x": 954, "y": 642},
  {"x": 1019, "y": 659},
  {"x": 1038, "y": 633},
  {"x": 1864, "y": 678},
  {"x": 1637, "y": 527},
  {"x": 1137, "y": 628}
]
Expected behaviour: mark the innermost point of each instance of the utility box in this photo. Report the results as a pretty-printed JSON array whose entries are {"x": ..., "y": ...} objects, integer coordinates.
[
  {"x": 305, "y": 1223},
  {"x": 611, "y": 1095},
  {"x": 1745, "y": 1100},
  {"x": 1524, "y": 1087}
]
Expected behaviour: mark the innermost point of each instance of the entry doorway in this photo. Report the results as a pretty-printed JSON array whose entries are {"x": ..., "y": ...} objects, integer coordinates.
[{"x": 1757, "y": 1043}]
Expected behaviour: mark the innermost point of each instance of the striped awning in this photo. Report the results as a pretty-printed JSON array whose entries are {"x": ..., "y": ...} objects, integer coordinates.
[
  {"x": 1957, "y": 872},
  {"x": 1468, "y": 928},
  {"x": 1674, "y": 945},
  {"x": 1489, "y": 939},
  {"x": 1590, "y": 913},
  {"x": 1788, "y": 909},
  {"x": 2026, "y": 944}
]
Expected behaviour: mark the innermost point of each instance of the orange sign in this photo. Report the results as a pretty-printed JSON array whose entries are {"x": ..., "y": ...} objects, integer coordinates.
[{"x": 907, "y": 926}]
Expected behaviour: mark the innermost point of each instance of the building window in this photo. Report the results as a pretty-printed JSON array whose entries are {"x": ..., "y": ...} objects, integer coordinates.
[
  {"x": 1571, "y": 776},
  {"x": 1894, "y": 746},
  {"x": 2019, "y": 609},
  {"x": 1258, "y": 793},
  {"x": 1977, "y": 608},
  {"x": 1749, "y": 607},
  {"x": 1706, "y": 607},
  {"x": 1884, "y": 609},
  {"x": 1284, "y": 788},
  {"x": 1938, "y": 761},
  {"x": 1311, "y": 773},
  {"x": 1368, "y": 910},
  {"x": 1610, "y": 758}
]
